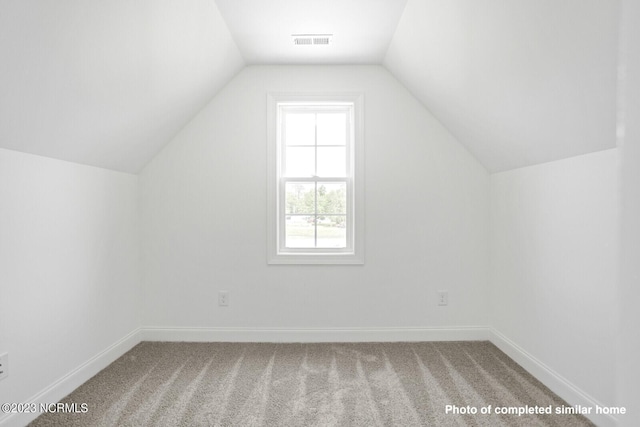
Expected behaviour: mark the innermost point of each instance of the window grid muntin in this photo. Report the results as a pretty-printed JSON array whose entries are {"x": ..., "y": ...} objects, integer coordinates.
[
  {"x": 316, "y": 214},
  {"x": 316, "y": 108},
  {"x": 288, "y": 108}
]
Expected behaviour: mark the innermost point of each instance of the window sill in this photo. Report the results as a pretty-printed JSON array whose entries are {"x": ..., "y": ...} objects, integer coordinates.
[{"x": 316, "y": 259}]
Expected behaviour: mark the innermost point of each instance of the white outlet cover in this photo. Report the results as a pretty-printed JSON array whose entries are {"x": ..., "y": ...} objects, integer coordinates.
[
  {"x": 443, "y": 298},
  {"x": 4, "y": 365},
  {"x": 223, "y": 298}
]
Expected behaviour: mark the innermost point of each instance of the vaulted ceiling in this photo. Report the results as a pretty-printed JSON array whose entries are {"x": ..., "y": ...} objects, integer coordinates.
[
  {"x": 110, "y": 82},
  {"x": 518, "y": 82}
]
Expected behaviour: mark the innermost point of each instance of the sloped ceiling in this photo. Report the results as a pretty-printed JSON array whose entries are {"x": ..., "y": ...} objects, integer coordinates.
[
  {"x": 107, "y": 82},
  {"x": 110, "y": 82},
  {"x": 517, "y": 82}
]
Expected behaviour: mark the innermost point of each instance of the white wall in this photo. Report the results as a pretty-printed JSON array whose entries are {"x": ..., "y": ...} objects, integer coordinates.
[
  {"x": 629, "y": 295},
  {"x": 554, "y": 254},
  {"x": 69, "y": 278},
  {"x": 203, "y": 218}
]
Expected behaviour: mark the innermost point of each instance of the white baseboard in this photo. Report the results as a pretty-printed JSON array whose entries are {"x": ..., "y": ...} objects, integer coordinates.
[
  {"x": 74, "y": 379},
  {"x": 470, "y": 333},
  {"x": 556, "y": 382}
]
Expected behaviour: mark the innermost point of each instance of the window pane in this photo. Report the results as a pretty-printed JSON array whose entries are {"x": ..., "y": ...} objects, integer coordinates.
[
  {"x": 300, "y": 129},
  {"x": 300, "y": 198},
  {"x": 300, "y": 161},
  {"x": 332, "y": 198},
  {"x": 332, "y": 129},
  {"x": 332, "y": 161},
  {"x": 332, "y": 231},
  {"x": 299, "y": 231}
]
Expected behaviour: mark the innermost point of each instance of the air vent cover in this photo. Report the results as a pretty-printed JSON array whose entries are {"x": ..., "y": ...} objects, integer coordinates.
[{"x": 311, "y": 39}]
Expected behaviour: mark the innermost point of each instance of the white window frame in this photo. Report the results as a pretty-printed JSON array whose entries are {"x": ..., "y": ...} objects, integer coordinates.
[{"x": 277, "y": 253}]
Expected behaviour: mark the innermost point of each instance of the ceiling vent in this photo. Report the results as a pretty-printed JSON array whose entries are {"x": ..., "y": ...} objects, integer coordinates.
[{"x": 311, "y": 39}]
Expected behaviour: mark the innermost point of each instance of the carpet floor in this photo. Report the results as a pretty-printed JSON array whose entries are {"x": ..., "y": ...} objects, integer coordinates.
[{"x": 359, "y": 384}]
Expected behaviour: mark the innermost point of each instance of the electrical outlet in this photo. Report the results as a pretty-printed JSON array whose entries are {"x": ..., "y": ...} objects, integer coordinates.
[
  {"x": 223, "y": 298},
  {"x": 443, "y": 298},
  {"x": 4, "y": 366}
]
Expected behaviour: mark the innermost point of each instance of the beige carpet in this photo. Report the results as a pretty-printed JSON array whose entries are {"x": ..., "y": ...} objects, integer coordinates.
[{"x": 364, "y": 384}]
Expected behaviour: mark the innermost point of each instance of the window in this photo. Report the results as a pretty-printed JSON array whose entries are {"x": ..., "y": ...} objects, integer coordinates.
[{"x": 315, "y": 179}]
